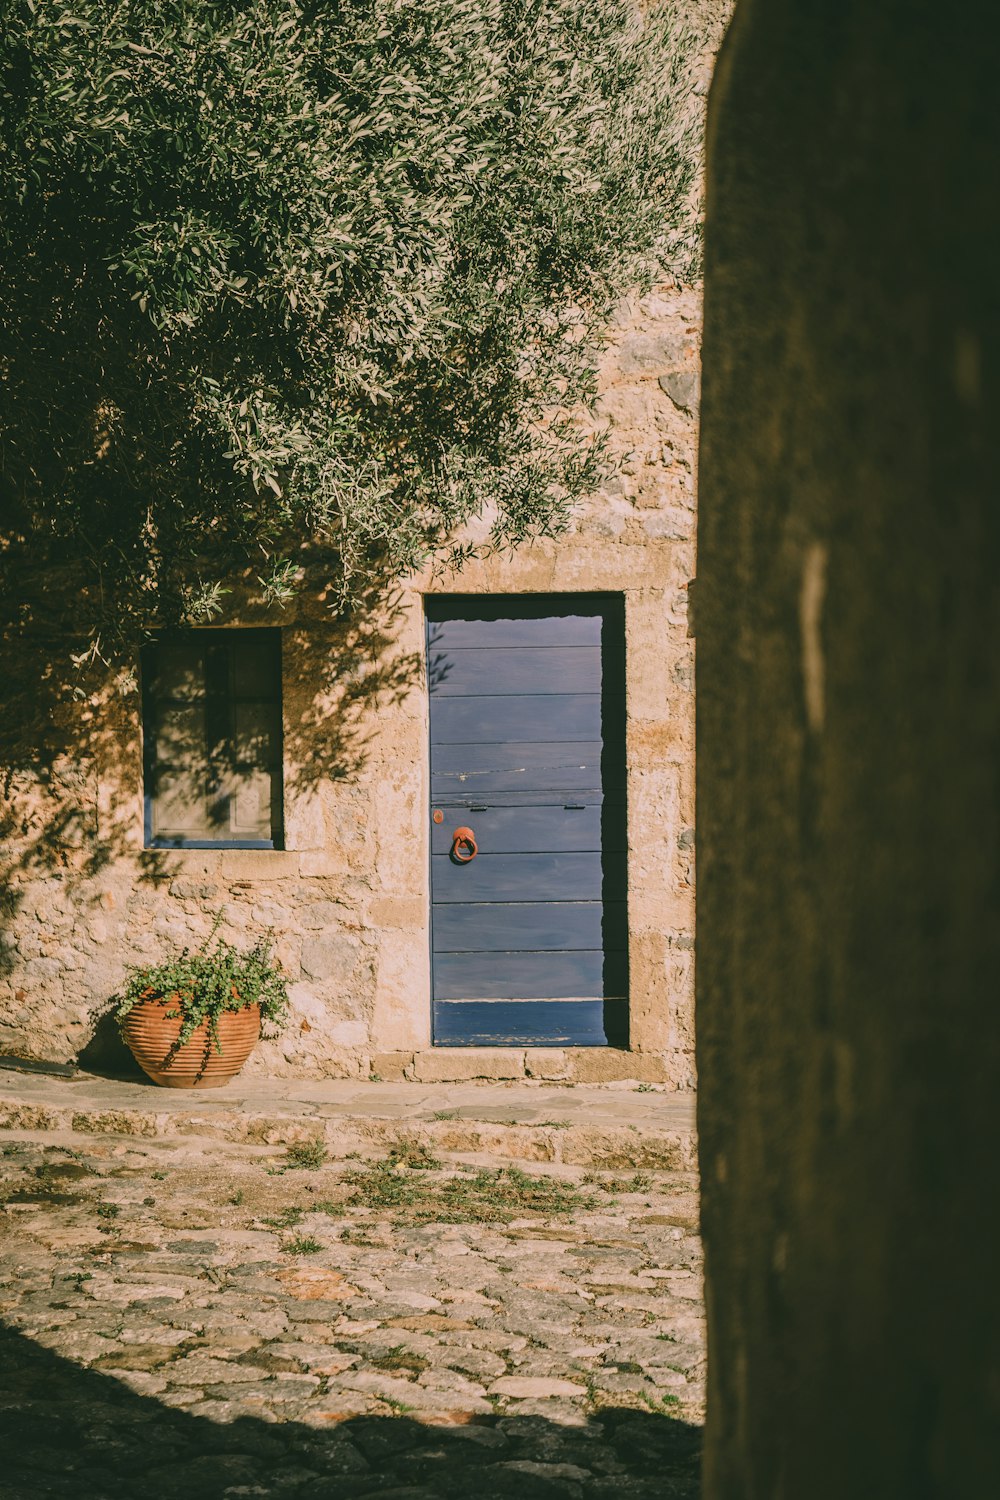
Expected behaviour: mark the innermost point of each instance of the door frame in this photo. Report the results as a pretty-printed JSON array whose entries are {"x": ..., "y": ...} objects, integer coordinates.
[{"x": 611, "y": 605}]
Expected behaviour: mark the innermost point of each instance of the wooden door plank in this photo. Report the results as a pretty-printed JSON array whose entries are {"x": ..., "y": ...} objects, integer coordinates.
[
  {"x": 524, "y": 830},
  {"x": 540, "y": 756},
  {"x": 465, "y": 927},
  {"x": 492, "y": 672},
  {"x": 518, "y": 877},
  {"x": 539, "y": 716},
  {"x": 529, "y": 1023},
  {"x": 520, "y": 976},
  {"x": 503, "y": 633}
]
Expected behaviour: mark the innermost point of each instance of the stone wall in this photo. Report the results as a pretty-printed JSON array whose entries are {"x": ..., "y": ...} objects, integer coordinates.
[
  {"x": 849, "y": 750},
  {"x": 347, "y": 899}
]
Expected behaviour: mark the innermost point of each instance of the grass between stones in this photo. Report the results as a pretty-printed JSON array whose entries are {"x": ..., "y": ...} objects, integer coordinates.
[
  {"x": 639, "y": 1182},
  {"x": 482, "y": 1197},
  {"x": 400, "y": 1358},
  {"x": 305, "y": 1154},
  {"x": 302, "y": 1244}
]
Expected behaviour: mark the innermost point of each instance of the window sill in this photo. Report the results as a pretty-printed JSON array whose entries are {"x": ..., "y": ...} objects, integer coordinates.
[{"x": 228, "y": 863}]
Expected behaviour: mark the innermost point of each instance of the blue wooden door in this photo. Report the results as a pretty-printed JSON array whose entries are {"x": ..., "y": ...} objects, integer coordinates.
[{"x": 528, "y": 920}]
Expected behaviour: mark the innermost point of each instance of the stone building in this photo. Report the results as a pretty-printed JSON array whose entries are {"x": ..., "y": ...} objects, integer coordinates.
[
  {"x": 544, "y": 700},
  {"x": 573, "y": 694}
]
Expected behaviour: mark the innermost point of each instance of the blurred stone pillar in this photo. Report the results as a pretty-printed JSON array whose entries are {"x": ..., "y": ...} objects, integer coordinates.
[{"x": 848, "y": 634}]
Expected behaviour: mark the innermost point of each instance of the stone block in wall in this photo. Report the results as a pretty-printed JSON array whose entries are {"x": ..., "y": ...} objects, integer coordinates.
[
  {"x": 662, "y": 743},
  {"x": 653, "y": 353},
  {"x": 305, "y": 1056},
  {"x": 349, "y": 1032},
  {"x": 673, "y": 523},
  {"x": 306, "y": 1012},
  {"x": 316, "y": 916},
  {"x": 331, "y": 958},
  {"x": 348, "y": 837},
  {"x": 402, "y": 1014},
  {"x": 304, "y": 823},
  {"x": 655, "y": 800},
  {"x": 683, "y": 387},
  {"x": 391, "y": 1067},
  {"x": 408, "y": 913},
  {"x": 463, "y": 1064},
  {"x": 187, "y": 889},
  {"x": 631, "y": 409},
  {"x": 609, "y": 1065},
  {"x": 547, "y": 1062},
  {"x": 605, "y": 515},
  {"x": 320, "y": 862},
  {"x": 660, "y": 980},
  {"x": 258, "y": 864},
  {"x": 400, "y": 823},
  {"x": 622, "y": 565}
]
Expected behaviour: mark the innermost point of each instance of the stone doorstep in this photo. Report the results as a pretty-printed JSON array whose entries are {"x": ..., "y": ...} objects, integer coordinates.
[
  {"x": 578, "y": 1126},
  {"x": 560, "y": 1065}
]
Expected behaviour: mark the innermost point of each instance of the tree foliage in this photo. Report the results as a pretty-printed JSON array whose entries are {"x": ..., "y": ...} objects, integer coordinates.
[{"x": 331, "y": 273}]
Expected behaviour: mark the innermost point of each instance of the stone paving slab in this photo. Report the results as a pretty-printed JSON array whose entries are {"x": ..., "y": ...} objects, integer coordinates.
[
  {"x": 584, "y": 1125},
  {"x": 190, "y": 1316}
]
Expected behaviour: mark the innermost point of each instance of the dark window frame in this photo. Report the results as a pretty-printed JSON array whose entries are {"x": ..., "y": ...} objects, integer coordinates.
[{"x": 218, "y": 704}]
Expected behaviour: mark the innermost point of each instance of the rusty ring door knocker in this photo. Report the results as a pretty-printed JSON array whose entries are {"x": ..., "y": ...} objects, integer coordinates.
[{"x": 463, "y": 846}]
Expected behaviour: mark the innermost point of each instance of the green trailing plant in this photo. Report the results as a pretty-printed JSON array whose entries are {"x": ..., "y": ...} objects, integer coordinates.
[
  {"x": 200, "y": 986},
  {"x": 283, "y": 280}
]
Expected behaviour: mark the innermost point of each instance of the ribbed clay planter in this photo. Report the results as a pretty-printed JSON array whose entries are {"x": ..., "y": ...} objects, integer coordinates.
[{"x": 150, "y": 1033}]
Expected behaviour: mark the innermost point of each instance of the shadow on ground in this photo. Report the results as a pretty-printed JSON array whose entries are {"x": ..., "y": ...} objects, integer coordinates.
[
  {"x": 68, "y": 1431},
  {"x": 107, "y": 1056}
]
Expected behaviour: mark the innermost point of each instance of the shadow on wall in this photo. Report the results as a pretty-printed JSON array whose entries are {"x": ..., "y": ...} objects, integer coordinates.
[
  {"x": 71, "y": 763},
  {"x": 72, "y": 1432}
]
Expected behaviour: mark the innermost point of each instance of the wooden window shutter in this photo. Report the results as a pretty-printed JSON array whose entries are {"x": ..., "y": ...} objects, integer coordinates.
[{"x": 212, "y": 727}]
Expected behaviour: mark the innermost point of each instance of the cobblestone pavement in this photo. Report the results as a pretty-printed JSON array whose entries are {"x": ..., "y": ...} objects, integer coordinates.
[{"x": 191, "y": 1318}]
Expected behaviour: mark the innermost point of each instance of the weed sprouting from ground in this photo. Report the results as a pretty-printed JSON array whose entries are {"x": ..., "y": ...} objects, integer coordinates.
[
  {"x": 286, "y": 1219},
  {"x": 305, "y": 1154},
  {"x": 396, "y": 1408},
  {"x": 302, "y": 1244},
  {"x": 413, "y": 1154},
  {"x": 382, "y": 1185},
  {"x": 482, "y": 1197},
  {"x": 663, "y": 1403},
  {"x": 400, "y": 1358},
  {"x": 639, "y": 1182}
]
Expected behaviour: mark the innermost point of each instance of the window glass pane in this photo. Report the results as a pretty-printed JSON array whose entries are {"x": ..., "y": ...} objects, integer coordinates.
[
  {"x": 255, "y": 738},
  {"x": 180, "y": 806},
  {"x": 254, "y": 667},
  {"x": 213, "y": 737},
  {"x": 180, "y": 735},
  {"x": 250, "y": 805},
  {"x": 180, "y": 672}
]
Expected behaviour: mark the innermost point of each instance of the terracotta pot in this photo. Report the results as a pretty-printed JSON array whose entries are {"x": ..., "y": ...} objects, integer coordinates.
[{"x": 151, "y": 1033}]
